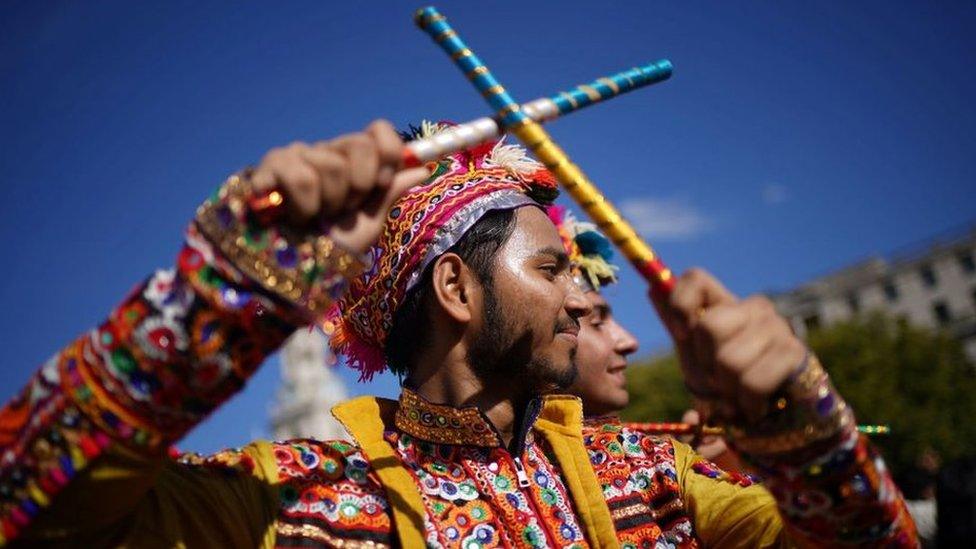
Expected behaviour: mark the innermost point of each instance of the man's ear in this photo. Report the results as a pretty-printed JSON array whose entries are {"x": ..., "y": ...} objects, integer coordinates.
[{"x": 455, "y": 288}]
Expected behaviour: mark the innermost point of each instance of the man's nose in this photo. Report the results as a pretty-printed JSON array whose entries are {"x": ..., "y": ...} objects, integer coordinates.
[
  {"x": 625, "y": 342},
  {"x": 576, "y": 303}
]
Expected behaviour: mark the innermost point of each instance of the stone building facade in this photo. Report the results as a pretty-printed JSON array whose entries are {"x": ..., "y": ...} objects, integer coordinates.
[{"x": 932, "y": 285}]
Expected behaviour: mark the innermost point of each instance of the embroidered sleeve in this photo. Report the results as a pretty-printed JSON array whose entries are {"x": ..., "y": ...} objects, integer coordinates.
[
  {"x": 830, "y": 485},
  {"x": 178, "y": 346}
]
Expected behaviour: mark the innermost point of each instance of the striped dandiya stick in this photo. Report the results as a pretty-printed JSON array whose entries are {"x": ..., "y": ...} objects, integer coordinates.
[
  {"x": 664, "y": 428},
  {"x": 531, "y": 134},
  {"x": 476, "y": 132}
]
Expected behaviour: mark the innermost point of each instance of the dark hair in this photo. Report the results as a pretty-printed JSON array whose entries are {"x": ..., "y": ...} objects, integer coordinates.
[{"x": 477, "y": 248}]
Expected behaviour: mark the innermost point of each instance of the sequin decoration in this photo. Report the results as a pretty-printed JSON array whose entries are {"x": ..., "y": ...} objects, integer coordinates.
[
  {"x": 444, "y": 424},
  {"x": 710, "y": 470},
  {"x": 640, "y": 483},
  {"x": 843, "y": 496},
  {"x": 328, "y": 494},
  {"x": 472, "y": 493},
  {"x": 178, "y": 346}
]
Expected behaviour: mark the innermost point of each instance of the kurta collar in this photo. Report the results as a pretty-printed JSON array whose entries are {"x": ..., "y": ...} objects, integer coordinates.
[
  {"x": 559, "y": 420},
  {"x": 444, "y": 424}
]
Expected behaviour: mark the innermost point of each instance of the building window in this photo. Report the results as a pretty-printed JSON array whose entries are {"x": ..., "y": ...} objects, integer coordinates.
[
  {"x": 928, "y": 276},
  {"x": 890, "y": 290},
  {"x": 966, "y": 262},
  {"x": 854, "y": 303},
  {"x": 812, "y": 322},
  {"x": 941, "y": 312}
]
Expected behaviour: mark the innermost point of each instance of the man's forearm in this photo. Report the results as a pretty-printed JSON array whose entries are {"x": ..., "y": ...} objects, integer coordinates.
[
  {"x": 830, "y": 485},
  {"x": 176, "y": 348}
]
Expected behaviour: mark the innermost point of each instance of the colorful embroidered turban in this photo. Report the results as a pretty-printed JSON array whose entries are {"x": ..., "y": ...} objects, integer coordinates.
[
  {"x": 589, "y": 250},
  {"x": 423, "y": 224}
]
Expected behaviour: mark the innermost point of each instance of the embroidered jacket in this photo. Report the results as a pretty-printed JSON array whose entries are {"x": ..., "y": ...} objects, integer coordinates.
[{"x": 83, "y": 453}]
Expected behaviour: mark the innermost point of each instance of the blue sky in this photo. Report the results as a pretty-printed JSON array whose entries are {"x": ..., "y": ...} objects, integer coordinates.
[{"x": 793, "y": 138}]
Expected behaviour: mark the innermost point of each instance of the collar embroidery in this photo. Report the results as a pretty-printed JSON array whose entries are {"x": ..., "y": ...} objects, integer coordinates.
[{"x": 444, "y": 424}]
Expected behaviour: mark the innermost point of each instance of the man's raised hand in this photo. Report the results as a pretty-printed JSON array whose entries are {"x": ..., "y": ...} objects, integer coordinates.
[
  {"x": 349, "y": 182},
  {"x": 735, "y": 353}
]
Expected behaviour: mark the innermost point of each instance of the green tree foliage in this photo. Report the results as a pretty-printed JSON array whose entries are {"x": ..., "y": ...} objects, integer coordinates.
[
  {"x": 657, "y": 391},
  {"x": 914, "y": 379}
]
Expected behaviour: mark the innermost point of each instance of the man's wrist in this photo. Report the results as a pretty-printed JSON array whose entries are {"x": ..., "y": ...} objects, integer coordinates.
[
  {"x": 306, "y": 270},
  {"x": 805, "y": 412}
]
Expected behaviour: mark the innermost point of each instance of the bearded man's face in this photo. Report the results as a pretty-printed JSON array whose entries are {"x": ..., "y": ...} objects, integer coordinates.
[{"x": 529, "y": 322}]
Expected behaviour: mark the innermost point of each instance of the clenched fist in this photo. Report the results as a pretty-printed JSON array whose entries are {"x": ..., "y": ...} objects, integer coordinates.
[
  {"x": 736, "y": 353},
  {"x": 348, "y": 183}
]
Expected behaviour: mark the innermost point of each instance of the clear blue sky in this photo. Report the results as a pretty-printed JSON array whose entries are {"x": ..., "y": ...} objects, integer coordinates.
[{"x": 794, "y": 137}]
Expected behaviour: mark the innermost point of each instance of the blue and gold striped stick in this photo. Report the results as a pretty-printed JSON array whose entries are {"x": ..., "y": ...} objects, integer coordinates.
[
  {"x": 531, "y": 134},
  {"x": 608, "y": 87},
  {"x": 476, "y": 132}
]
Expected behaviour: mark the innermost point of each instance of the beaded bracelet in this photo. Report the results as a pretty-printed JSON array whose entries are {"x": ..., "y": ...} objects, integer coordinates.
[
  {"x": 806, "y": 397},
  {"x": 305, "y": 269},
  {"x": 792, "y": 441},
  {"x": 807, "y": 411}
]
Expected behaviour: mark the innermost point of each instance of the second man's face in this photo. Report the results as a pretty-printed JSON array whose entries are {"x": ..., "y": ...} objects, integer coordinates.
[{"x": 601, "y": 358}]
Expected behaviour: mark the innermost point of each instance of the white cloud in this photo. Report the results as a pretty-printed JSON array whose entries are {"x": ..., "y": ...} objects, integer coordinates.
[
  {"x": 664, "y": 219},
  {"x": 774, "y": 194}
]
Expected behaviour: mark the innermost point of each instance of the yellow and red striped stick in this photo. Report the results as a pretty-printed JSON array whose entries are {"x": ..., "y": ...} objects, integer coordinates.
[{"x": 665, "y": 428}]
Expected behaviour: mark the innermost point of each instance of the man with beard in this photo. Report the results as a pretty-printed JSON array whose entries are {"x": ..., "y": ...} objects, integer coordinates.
[{"x": 470, "y": 298}]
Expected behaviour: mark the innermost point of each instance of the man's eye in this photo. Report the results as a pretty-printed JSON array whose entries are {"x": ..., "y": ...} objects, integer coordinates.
[{"x": 550, "y": 270}]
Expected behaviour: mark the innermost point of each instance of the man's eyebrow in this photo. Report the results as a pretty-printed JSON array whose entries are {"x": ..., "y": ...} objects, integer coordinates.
[{"x": 558, "y": 254}]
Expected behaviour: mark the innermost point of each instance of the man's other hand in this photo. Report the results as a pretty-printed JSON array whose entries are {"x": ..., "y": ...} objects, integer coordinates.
[
  {"x": 734, "y": 353},
  {"x": 345, "y": 185}
]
